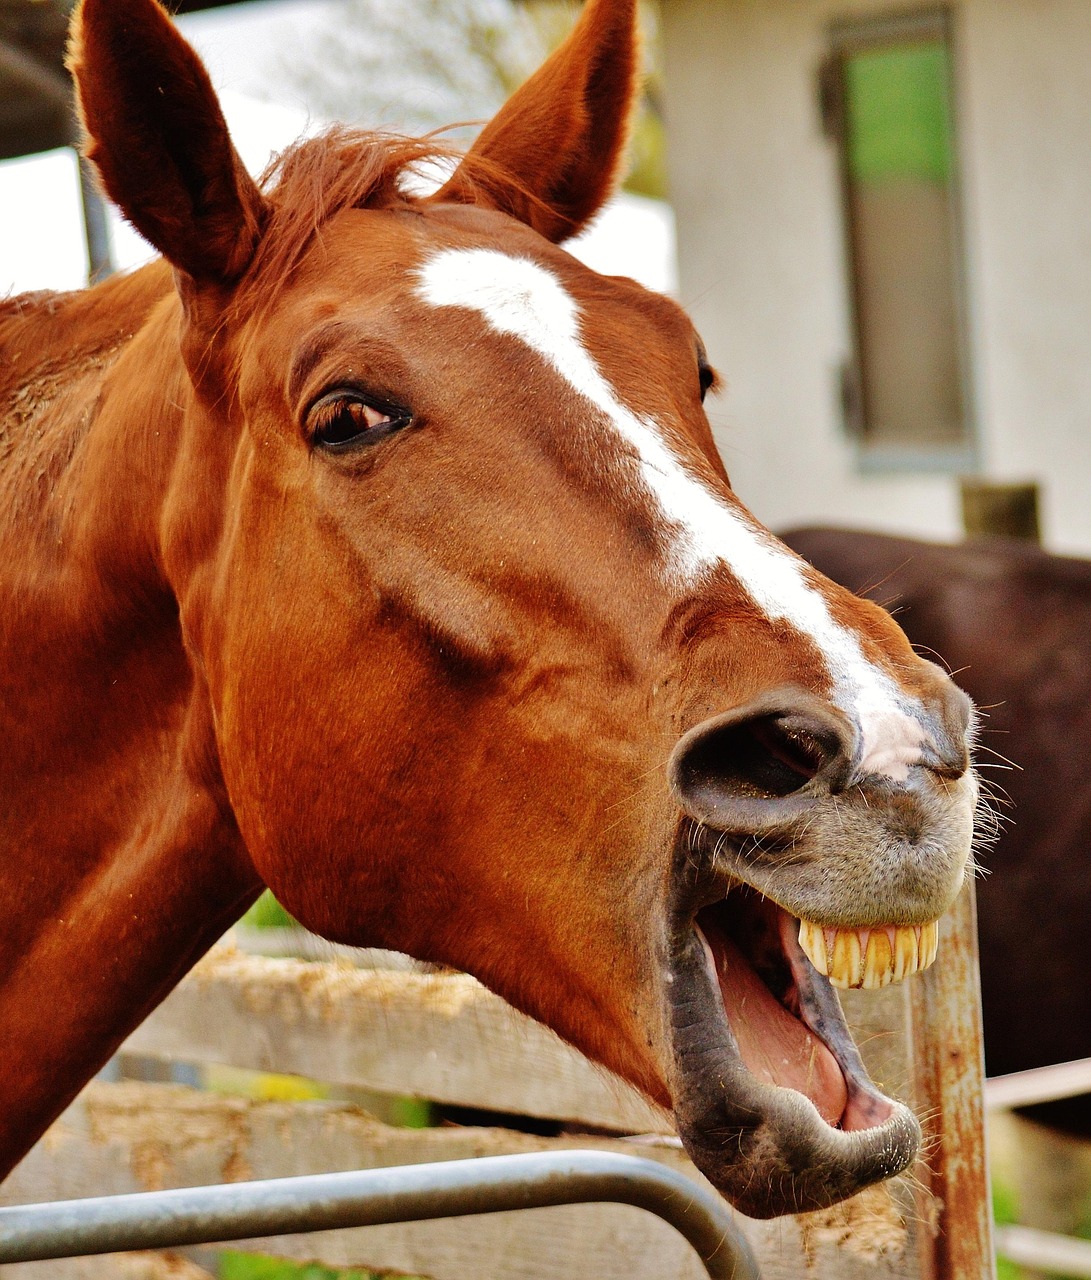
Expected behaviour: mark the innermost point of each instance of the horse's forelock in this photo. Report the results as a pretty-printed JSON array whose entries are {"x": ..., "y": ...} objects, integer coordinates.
[{"x": 315, "y": 179}]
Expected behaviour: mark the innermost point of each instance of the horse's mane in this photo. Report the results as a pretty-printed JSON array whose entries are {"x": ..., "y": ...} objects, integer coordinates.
[
  {"x": 18, "y": 304},
  {"x": 305, "y": 185}
]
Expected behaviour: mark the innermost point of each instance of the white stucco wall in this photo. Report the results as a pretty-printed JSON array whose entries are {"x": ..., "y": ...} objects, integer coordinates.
[{"x": 756, "y": 193}]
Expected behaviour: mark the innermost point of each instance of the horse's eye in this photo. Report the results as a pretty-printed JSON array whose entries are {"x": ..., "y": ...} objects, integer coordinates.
[
  {"x": 340, "y": 420},
  {"x": 707, "y": 375}
]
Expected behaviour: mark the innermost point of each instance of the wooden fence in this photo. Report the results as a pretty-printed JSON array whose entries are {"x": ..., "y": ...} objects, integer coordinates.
[{"x": 396, "y": 1032}]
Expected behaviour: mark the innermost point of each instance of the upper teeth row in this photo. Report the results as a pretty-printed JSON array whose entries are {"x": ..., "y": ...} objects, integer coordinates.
[{"x": 869, "y": 957}]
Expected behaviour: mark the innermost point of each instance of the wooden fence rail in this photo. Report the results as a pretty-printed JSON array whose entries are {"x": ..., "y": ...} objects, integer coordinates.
[
  {"x": 443, "y": 1037},
  {"x": 440, "y": 1036}
]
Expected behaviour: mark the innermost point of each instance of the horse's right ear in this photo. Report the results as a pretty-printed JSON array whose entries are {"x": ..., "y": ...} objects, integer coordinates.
[
  {"x": 156, "y": 134},
  {"x": 554, "y": 153}
]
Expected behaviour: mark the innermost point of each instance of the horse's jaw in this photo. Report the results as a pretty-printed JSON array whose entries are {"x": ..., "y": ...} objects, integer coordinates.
[
  {"x": 794, "y": 838},
  {"x": 771, "y": 1098}
]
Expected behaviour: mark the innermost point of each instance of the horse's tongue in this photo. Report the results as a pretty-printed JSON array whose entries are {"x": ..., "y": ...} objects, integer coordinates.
[{"x": 775, "y": 1046}]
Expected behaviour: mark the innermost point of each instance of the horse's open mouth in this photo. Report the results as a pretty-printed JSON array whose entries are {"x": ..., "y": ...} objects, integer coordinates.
[
  {"x": 768, "y": 988},
  {"x": 773, "y": 1101}
]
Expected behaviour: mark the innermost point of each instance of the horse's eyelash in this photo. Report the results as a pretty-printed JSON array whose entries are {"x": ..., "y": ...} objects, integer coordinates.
[{"x": 331, "y": 401}]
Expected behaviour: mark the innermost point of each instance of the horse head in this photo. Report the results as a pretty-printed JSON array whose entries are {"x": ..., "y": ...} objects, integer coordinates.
[{"x": 493, "y": 666}]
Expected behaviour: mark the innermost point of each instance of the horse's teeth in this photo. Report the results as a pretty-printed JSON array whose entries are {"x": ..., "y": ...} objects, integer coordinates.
[
  {"x": 812, "y": 939},
  {"x": 847, "y": 963},
  {"x": 869, "y": 958},
  {"x": 929, "y": 943},
  {"x": 878, "y": 960},
  {"x": 905, "y": 953}
]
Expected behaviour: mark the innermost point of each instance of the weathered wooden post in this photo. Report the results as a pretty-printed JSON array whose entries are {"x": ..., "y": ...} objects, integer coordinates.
[
  {"x": 949, "y": 1064},
  {"x": 922, "y": 1039}
]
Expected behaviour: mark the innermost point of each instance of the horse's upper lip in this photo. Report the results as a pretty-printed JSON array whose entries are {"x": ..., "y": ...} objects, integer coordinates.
[{"x": 771, "y": 1096}]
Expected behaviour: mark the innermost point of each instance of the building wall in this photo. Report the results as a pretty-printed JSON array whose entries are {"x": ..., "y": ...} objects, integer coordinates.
[{"x": 756, "y": 193}]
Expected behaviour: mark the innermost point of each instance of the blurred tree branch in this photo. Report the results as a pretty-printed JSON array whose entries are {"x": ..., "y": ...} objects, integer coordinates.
[{"x": 412, "y": 66}]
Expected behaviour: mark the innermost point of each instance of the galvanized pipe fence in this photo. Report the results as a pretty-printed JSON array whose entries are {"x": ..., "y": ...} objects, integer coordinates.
[{"x": 372, "y": 1197}]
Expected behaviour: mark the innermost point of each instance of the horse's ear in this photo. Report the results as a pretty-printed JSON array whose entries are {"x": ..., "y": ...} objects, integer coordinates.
[
  {"x": 553, "y": 154},
  {"x": 155, "y": 131}
]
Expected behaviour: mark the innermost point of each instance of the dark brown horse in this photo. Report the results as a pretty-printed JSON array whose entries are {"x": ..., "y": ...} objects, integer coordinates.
[
  {"x": 1015, "y": 622},
  {"x": 371, "y": 548}
]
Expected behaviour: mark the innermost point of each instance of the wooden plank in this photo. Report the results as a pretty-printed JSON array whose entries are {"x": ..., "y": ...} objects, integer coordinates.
[
  {"x": 297, "y": 943},
  {"x": 110, "y": 1266},
  {"x": 128, "y": 1137},
  {"x": 437, "y": 1036},
  {"x": 119, "y": 1138}
]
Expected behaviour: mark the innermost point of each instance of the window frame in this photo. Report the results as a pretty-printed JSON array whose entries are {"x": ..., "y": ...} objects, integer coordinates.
[{"x": 846, "y": 37}]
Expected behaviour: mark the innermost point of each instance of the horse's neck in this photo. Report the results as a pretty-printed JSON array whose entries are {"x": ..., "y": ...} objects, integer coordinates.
[
  {"x": 60, "y": 443},
  {"x": 85, "y": 616},
  {"x": 119, "y": 860}
]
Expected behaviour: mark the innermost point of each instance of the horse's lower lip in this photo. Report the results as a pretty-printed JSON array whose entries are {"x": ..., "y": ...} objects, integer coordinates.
[{"x": 771, "y": 1097}]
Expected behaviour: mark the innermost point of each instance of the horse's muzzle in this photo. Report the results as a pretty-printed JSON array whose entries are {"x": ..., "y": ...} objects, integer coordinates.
[{"x": 785, "y": 832}]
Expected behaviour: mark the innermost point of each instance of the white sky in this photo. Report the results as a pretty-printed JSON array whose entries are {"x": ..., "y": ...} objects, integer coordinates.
[{"x": 41, "y": 230}]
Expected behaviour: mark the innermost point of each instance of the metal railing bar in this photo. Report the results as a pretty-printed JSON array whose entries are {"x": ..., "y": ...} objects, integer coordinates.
[
  {"x": 371, "y": 1197},
  {"x": 1040, "y": 1084},
  {"x": 1044, "y": 1250}
]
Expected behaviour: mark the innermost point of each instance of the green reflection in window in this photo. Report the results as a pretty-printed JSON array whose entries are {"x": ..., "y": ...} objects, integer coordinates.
[{"x": 899, "y": 113}]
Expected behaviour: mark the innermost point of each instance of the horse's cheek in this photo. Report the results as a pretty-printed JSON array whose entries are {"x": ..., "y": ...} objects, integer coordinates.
[{"x": 361, "y": 819}]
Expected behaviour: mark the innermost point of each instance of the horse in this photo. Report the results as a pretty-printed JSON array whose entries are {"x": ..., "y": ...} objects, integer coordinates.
[
  {"x": 369, "y": 547},
  {"x": 1015, "y": 622}
]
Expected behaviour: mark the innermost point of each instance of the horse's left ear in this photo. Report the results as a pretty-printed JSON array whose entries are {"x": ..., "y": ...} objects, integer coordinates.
[
  {"x": 157, "y": 136},
  {"x": 552, "y": 156}
]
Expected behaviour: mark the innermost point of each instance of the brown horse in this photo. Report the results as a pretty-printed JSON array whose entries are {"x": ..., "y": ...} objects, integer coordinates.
[{"x": 373, "y": 549}]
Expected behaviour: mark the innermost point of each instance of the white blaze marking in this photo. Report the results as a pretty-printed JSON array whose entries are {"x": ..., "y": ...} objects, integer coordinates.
[{"x": 518, "y": 297}]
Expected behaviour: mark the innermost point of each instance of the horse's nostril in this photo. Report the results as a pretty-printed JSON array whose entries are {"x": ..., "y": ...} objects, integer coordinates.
[
  {"x": 782, "y": 757},
  {"x": 948, "y": 751},
  {"x": 757, "y": 758},
  {"x": 744, "y": 768}
]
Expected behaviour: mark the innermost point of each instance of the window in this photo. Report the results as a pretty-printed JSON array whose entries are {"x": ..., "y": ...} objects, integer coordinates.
[{"x": 887, "y": 102}]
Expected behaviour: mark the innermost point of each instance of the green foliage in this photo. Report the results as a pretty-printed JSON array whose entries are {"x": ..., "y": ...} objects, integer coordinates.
[
  {"x": 647, "y": 155},
  {"x": 263, "y": 1085},
  {"x": 410, "y": 1113},
  {"x": 1005, "y": 1203},
  {"x": 1005, "y": 1209},
  {"x": 267, "y": 913},
  {"x": 1006, "y": 1270},
  {"x": 256, "y": 1266}
]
